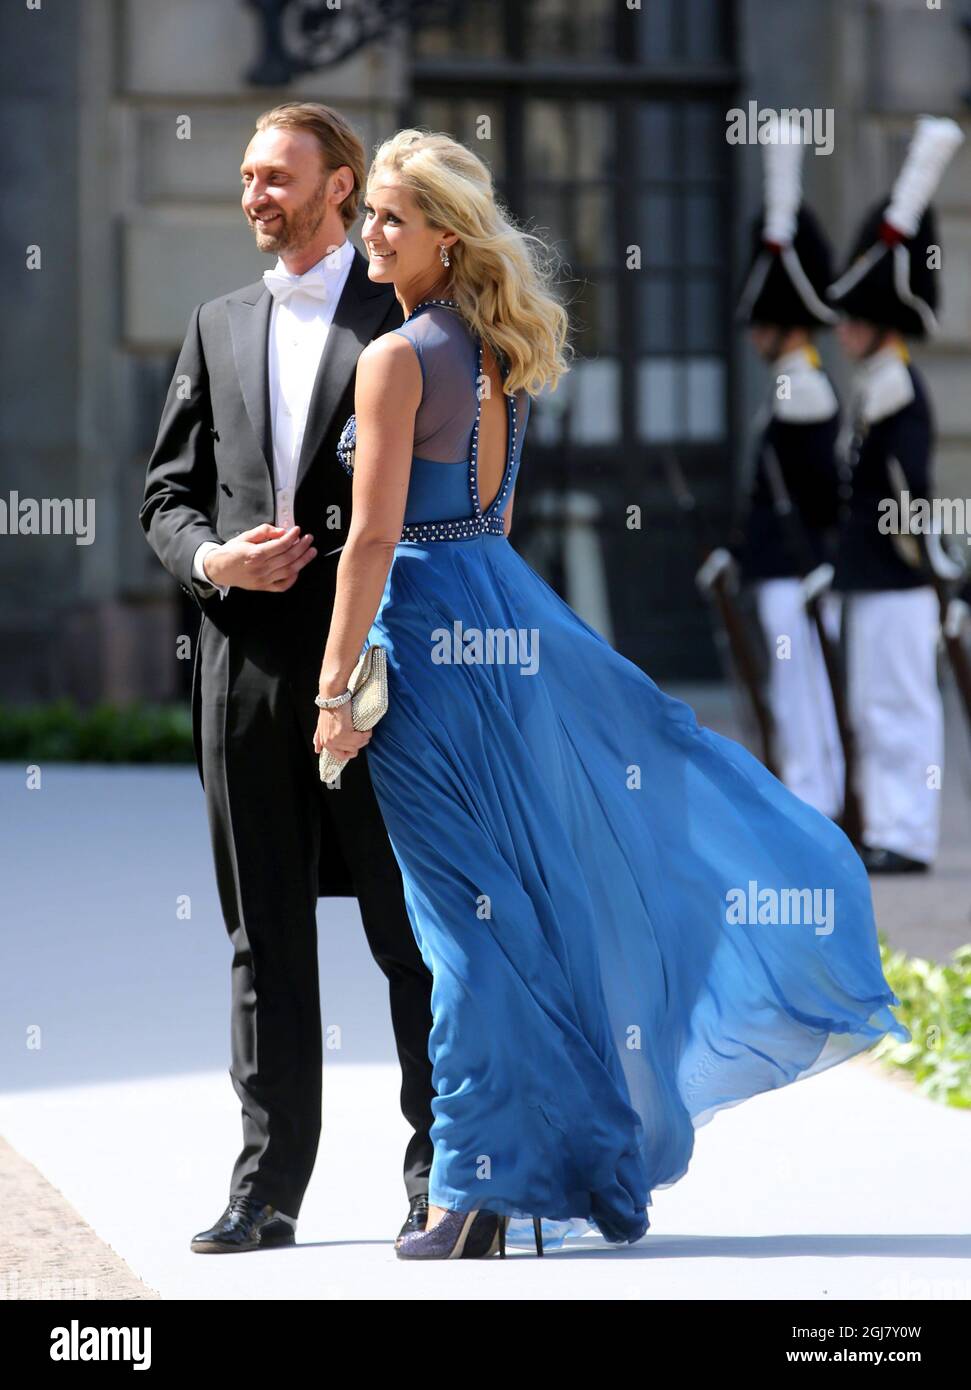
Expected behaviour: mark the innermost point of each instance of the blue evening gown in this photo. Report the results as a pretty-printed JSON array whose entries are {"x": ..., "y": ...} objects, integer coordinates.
[{"x": 607, "y": 894}]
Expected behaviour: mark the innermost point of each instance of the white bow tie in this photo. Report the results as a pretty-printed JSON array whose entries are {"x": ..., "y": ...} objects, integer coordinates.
[{"x": 282, "y": 286}]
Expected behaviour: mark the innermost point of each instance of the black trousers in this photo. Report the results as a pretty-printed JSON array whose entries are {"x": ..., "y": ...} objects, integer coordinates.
[{"x": 267, "y": 812}]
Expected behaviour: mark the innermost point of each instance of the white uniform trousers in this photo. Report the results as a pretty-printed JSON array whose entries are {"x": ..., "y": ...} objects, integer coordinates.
[
  {"x": 898, "y": 715},
  {"x": 807, "y": 735}
]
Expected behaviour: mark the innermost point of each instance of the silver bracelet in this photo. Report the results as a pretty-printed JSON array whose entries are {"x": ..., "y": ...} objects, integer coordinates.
[{"x": 333, "y": 702}]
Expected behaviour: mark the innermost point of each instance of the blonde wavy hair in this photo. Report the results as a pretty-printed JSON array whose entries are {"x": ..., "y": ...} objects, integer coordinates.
[{"x": 501, "y": 276}]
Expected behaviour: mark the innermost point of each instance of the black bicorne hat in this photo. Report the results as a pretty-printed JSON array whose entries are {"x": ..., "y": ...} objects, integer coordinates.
[
  {"x": 789, "y": 267},
  {"x": 889, "y": 281},
  {"x": 786, "y": 284}
]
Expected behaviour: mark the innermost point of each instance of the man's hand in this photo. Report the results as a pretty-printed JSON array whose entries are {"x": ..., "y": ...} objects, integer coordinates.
[{"x": 267, "y": 557}]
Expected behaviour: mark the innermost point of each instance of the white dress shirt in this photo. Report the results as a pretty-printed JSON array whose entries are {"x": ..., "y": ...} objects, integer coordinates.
[{"x": 299, "y": 325}]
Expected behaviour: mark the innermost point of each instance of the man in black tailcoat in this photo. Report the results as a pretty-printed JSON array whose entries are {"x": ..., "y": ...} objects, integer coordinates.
[{"x": 247, "y": 507}]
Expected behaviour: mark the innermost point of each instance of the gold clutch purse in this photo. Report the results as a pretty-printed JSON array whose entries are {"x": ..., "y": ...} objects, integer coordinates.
[{"x": 369, "y": 700}]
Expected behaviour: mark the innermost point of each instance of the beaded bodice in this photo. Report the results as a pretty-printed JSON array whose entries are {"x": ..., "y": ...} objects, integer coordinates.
[{"x": 443, "y": 501}]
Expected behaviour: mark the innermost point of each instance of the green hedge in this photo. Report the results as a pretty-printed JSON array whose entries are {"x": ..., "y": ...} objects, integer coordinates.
[
  {"x": 936, "y": 1007},
  {"x": 103, "y": 733}
]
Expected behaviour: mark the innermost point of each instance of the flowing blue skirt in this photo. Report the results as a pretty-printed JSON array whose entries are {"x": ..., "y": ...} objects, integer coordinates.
[{"x": 631, "y": 924}]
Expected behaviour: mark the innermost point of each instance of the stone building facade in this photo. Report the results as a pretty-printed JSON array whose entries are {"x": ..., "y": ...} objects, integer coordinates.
[{"x": 126, "y": 120}]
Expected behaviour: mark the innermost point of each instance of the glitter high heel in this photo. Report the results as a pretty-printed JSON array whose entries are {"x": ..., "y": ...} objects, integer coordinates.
[
  {"x": 463, "y": 1235},
  {"x": 460, "y": 1235}
]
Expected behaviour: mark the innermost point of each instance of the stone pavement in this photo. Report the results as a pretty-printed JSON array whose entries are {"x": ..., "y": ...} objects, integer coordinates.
[{"x": 47, "y": 1251}]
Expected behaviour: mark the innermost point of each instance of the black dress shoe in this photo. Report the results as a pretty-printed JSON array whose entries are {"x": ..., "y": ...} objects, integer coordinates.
[
  {"x": 888, "y": 861},
  {"x": 417, "y": 1218},
  {"x": 246, "y": 1224}
]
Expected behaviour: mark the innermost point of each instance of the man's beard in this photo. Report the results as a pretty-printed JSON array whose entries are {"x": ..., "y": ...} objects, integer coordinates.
[{"x": 296, "y": 230}]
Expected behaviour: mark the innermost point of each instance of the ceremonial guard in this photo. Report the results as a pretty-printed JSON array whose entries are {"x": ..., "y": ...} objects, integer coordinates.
[
  {"x": 887, "y": 575},
  {"x": 788, "y": 533}
]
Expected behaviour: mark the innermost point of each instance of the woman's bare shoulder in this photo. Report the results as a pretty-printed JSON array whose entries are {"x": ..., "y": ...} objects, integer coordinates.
[{"x": 389, "y": 364}]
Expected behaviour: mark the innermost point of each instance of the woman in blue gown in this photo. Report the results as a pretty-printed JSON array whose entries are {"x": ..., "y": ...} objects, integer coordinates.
[{"x": 631, "y": 924}]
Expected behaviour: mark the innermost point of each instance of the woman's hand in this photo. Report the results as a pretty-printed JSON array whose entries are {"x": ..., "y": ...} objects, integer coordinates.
[{"x": 337, "y": 734}]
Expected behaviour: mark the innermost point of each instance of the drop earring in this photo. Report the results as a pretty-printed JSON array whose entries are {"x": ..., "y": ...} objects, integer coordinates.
[{"x": 443, "y": 252}]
